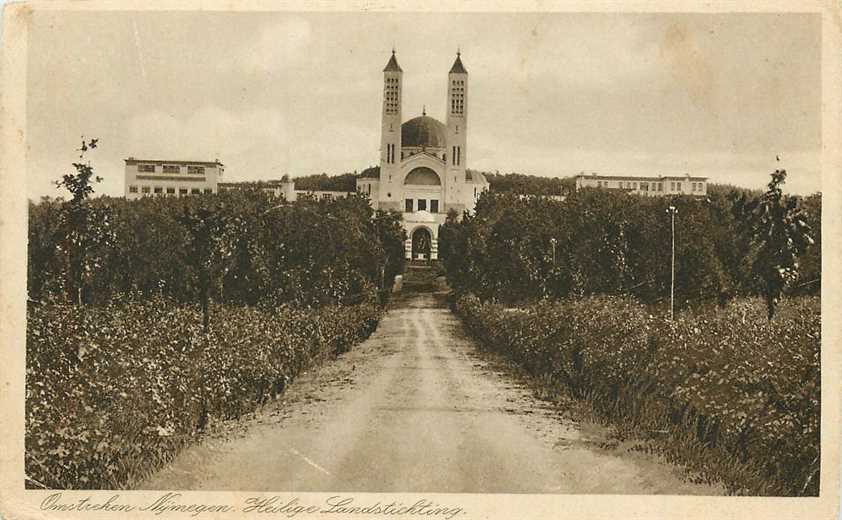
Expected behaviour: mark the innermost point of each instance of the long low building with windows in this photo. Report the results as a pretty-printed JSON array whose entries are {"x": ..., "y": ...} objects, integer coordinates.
[
  {"x": 153, "y": 177},
  {"x": 646, "y": 185},
  {"x": 282, "y": 188}
]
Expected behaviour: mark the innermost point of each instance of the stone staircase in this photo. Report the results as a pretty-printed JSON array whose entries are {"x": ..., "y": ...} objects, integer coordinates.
[{"x": 422, "y": 276}]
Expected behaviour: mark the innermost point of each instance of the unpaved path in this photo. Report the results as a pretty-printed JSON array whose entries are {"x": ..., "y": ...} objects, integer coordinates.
[{"x": 416, "y": 408}]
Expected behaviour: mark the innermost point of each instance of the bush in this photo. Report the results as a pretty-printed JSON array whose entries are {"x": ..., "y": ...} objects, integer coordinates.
[
  {"x": 517, "y": 250},
  {"x": 723, "y": 380},
  {"x": 114, "y": 391},
  {"x": 237, "y": 247}
]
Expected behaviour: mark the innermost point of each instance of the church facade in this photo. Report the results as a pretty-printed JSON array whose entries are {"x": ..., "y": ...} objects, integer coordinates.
[{"x": 423, "y": 162}]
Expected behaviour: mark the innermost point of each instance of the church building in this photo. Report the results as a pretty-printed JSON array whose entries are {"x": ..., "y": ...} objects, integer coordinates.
[{"x": 423, "y": 162}]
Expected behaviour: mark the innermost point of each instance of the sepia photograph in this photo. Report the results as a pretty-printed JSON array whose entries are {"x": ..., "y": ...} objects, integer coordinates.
[{"x": 361, "y": 263}]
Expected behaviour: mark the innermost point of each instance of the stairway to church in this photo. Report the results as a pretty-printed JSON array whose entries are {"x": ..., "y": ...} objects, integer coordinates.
[{"x": 422, "y": 276}]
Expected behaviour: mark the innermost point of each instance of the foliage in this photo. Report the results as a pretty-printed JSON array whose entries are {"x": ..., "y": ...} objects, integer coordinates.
[
  {"x": 523, "y": 184},
  {"x": 114, "y": 391},
  {"x": 255, "y": 249},
  {"x": 748, "y": 393},
  {"x": 606, "y": 242},
  {"x": 324, "y": 182},
  {"x": 82, "y": 227},
  {"x": 810, "y": 263},
  {"x": 778, "y": 234}
]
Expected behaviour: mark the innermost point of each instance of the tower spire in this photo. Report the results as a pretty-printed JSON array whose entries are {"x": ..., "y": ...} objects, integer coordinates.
[
  {"x": 393, "y": 66},
  {"x": 457, "y": 67}
]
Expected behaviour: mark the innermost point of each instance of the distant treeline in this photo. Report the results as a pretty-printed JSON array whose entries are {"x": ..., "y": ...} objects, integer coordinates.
[{"x": 518, "y": 183}]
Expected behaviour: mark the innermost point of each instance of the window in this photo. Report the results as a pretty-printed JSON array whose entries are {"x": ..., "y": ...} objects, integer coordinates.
[
  {"x": 408, "y": 208},
  {"x": 132, "y": 189},
  {"x": 182, "y": 191},
  {"x": 170, "y": 191},
  {"x": 172, "y": 168},
  {"x": 196, "y": 170},
  {"x": 672, "y": 186},
  {"x": 208, "y": 190},
  {"x": 434, "y": 206},
  {"x": 368, "y": 187},
  {"x": 457, "y": 98},
  {"x": 146, "y": 168},
  {"x": 159, "y": 190},
  {"x": 145, "y": 189},
  {"x": 422, "y": 204},
  {"x": 678, "y": 185},
  {"x": 327, "y": 196},
  {"x": 391, "y": 96},
  {"x": 195, "y": 191}
]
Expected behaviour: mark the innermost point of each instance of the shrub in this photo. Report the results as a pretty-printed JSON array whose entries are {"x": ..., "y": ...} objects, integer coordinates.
[
  {"x": 724, "y": 379},
  {"x": 114, "y": 391}
]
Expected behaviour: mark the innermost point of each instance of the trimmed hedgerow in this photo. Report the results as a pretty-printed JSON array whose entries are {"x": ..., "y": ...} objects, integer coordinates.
[
  {"x": 114, "y": 391},
  {"x": 737, "y": 395}
]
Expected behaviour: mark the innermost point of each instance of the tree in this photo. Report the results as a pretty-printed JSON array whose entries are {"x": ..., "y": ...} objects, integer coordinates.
[
  {"x": 84, "y": 226},
  {"x": 779, "y": 234},
  {"x": 387, "y": 225},
  {"x": 205, "y": 225}
]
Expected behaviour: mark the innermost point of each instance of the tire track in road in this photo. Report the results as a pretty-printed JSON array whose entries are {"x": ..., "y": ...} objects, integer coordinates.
[{"x": 416, "y": 408}]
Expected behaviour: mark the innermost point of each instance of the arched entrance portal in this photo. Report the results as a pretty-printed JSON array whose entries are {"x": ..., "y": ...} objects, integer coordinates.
[{"x": 421, "y": 243}]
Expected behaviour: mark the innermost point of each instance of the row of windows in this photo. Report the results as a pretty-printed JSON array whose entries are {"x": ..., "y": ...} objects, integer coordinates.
[
  {"x": 390, "y": 98},
  {"x": 391, "y": 80},
  {"x": 390, "y": 153},
  {"x": 456, "y": 158},
  {"x": 160, "y": 190},
  {"x": 458, "y": 82},
  {"x": 410, "y": 205},
  {"x": 457, "y": 104},
  {"x": 170, "y": 168},
  {"x": 651, "y": 186}
]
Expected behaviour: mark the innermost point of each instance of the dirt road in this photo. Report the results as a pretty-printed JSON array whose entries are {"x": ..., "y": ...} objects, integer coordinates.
[{"x": 416, "y": 408}]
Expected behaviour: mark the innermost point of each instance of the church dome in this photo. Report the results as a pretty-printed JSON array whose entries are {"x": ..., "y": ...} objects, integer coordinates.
[{"x": 423, "y": 132}]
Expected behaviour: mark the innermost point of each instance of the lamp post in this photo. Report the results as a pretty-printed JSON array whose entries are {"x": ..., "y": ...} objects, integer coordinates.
[
  {"x": 553, "y": 242},
  {"x": 672, "y": 210}
]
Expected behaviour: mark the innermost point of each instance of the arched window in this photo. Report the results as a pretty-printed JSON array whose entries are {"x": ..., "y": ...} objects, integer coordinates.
[{"x": 423, "y": 176}]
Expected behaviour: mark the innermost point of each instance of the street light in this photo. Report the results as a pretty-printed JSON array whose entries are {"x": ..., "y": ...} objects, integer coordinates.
[
  {"x": 553, "y": 242},
  {"x": 673, "y": 211}
]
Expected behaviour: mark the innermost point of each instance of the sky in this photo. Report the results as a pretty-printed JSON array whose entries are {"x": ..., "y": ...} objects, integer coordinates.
[{"x": 550, "y": 94}]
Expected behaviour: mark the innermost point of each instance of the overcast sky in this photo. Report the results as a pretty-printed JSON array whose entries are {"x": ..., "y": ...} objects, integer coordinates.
[{"x": 550, "y": 94}]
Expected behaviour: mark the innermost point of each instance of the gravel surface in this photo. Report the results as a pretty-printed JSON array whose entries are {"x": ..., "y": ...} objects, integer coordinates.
[{"x": 416, "y": 408}]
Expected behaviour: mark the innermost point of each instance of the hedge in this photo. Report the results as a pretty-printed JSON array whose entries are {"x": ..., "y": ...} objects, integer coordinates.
[
  {"x": 114, "y": 391},
  {"x": 737, "y": 395}
]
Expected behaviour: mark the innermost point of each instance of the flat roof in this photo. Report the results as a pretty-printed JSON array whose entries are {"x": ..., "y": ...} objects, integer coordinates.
[
  {"x": 639, "y": 177},
  {"x": 132, "y": 160},
  {"x": 270, "y": 182}
]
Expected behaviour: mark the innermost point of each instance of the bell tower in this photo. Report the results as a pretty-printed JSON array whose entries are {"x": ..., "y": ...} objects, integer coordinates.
[
  {"x": 457, "y": 129},
  {"x": 390, "y": 135}
]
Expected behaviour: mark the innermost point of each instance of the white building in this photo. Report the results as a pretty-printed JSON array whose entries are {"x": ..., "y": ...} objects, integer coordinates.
[
  {"x": 152, "y": 177},
  {"x": 282, "y": 188},
  {"x": 423, "y": 162},
  {"x": 651, "y": 186}
]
